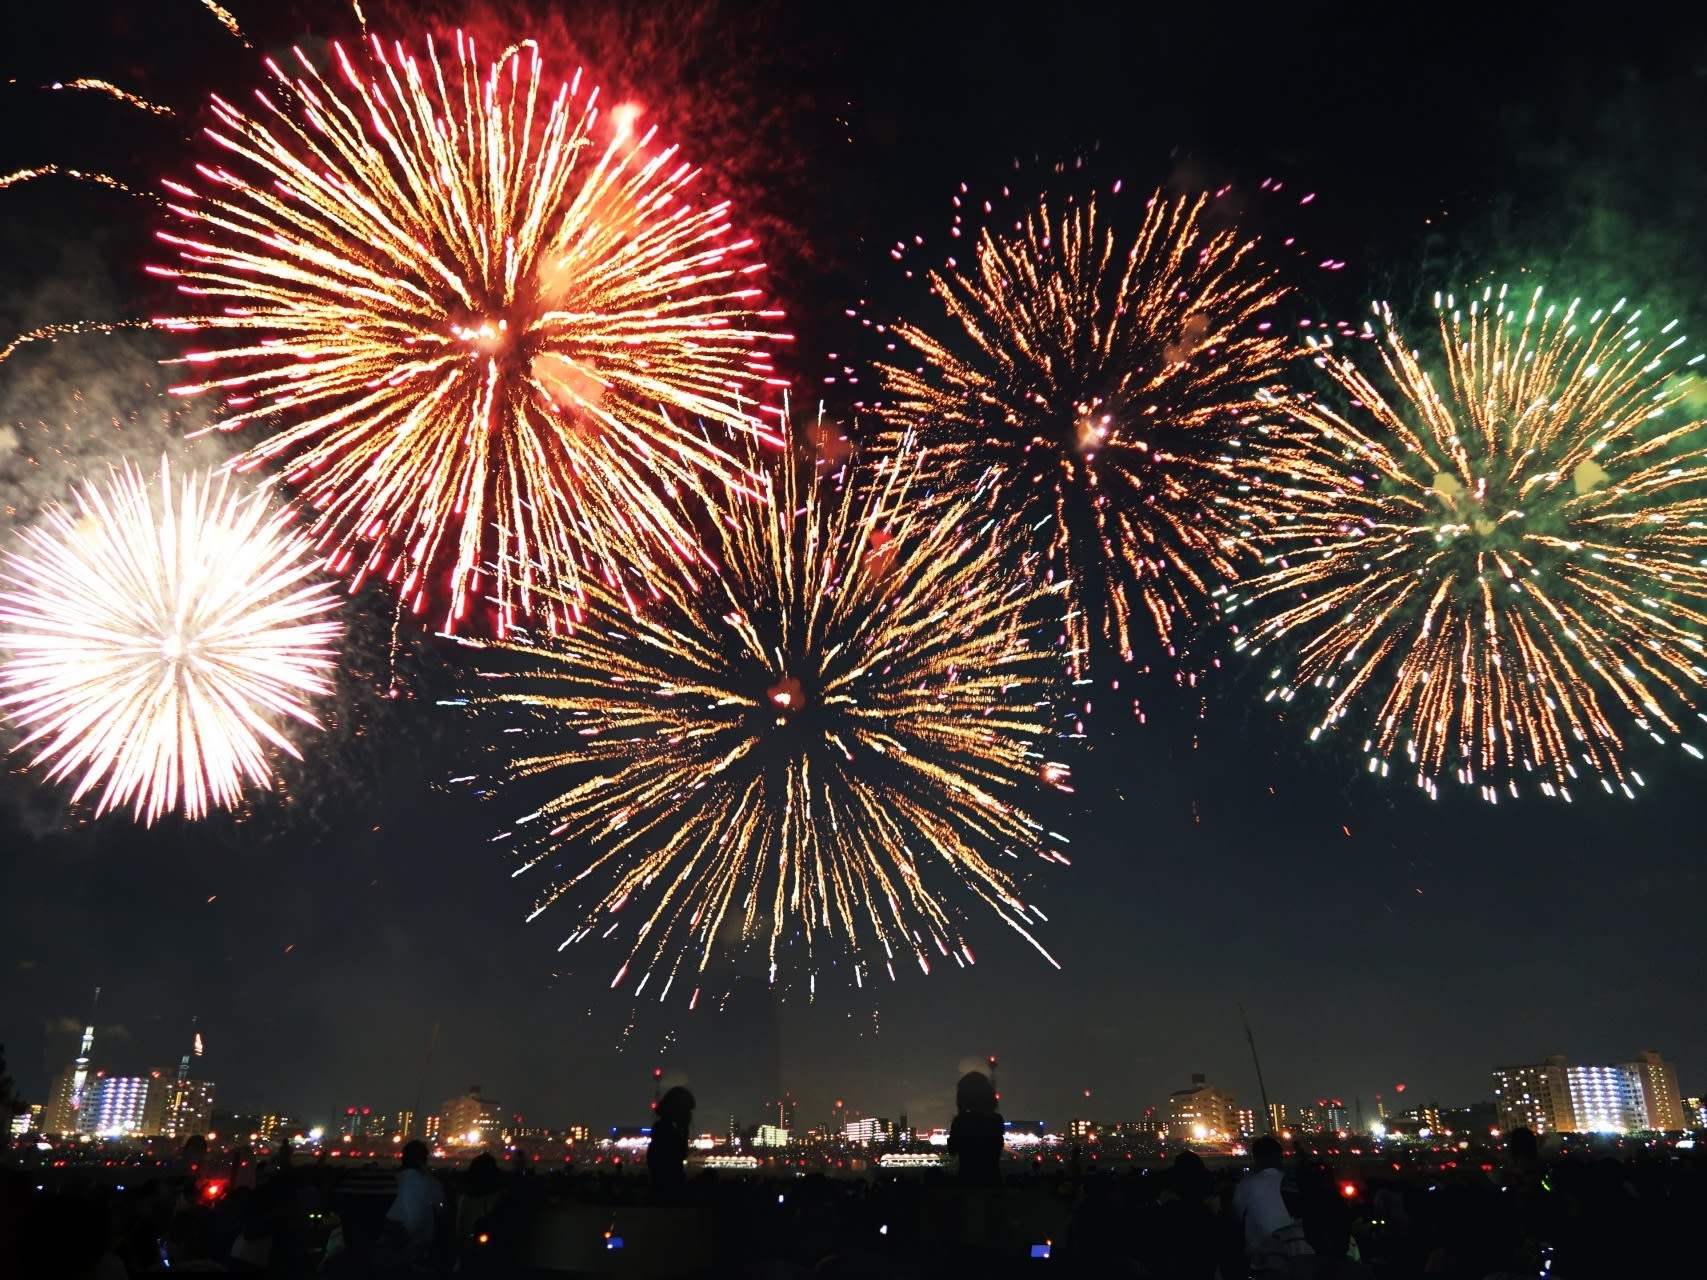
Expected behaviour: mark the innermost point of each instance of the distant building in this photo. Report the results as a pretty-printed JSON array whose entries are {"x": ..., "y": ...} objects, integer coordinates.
[
  {"x": 121, "y": 1105},
  {"x": 1553, "y": 1097},
  {"x": 867, "y": 1132},
  {"x": 1422, "y": 1117},
  {"x": 471, "y": 1121},
  {"x": 1276, "y": 1117},
  {"x": 1247, "y": 1123},
  {"x": 1081, "y": 1129},
  {"x": 1662, "y": 1101},
  {"x": 403, "y": 1123},
  {"x": 29, "y": 1120},
  {"x": 1328, "y": 1115},
  {"x": 770, "y": 1135},
  {"x": 275, "y": 1128},
  {"x": 430, "y": 1128},
  {"x": 1537, "y": 1097},
  {"x": 62, "y": 1104},
  {"x": 1202, "y": 1113},
  {"x": 188, "y": 1109},
  {"x": 1695, "y": 1108},
  {"x": 1606, "y": 1099},
  {"x": 361, "y": 1123}
]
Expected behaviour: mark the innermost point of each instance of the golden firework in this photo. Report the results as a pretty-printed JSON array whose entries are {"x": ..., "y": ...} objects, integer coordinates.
[
  {"x": 481, "y": 321},
  {"x": 1102, "y": 389},
  {"x": 1495, "y": 556},
  {"x": 832, "y": 738}
]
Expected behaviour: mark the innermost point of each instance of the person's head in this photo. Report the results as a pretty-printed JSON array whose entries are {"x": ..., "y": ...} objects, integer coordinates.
[
  {"x": 1522, "y": 1145},
  {"x": 414, "y": 1154},
  {"x": 1191, "y": 1175},
  {"x": 975, "y": 1093},
  {"x": 195, "y": 1147},
  {"x": 1267, "y": 1153},
  {"x": 677, "y": 1106},
  {"x": 483, "y": 1176}
]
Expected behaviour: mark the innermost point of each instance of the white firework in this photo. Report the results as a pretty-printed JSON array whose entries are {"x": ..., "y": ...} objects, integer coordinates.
[{"x": 161, "y": 640}]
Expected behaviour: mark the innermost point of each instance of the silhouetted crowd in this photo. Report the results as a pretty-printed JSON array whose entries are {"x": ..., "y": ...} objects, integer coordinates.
[{"x": 1284, "y": 1215}]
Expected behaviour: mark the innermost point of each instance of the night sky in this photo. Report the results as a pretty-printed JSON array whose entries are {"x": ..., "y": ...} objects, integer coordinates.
[{"x": 362, "y": 942}]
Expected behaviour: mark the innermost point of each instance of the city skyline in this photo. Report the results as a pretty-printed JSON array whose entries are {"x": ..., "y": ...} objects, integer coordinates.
[
  {"x": 1568, "y": 1097},
  {"x": 359, "y": 936}
]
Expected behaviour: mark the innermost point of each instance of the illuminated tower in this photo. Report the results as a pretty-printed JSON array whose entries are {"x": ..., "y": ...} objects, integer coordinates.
[
  {"x": 80, "y": 1077},
  {"x": 71, "y": 1089}
]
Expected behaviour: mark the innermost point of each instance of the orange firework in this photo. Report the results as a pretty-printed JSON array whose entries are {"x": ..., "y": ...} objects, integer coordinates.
[
  {"x": 1102, "y": 386},
  {"x": 482, "y": 321}
]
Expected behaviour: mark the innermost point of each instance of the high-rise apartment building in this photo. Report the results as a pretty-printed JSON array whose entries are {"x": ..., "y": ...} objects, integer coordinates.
[
  {"x": 360, "y": 1123},
  {"x": 188, "y": 1109},
  {"x": 867, "y": 1132},
  {"x": 1247, "y": 1123},
  {"x": 471, "y": 1120},
  {"x": 1606, "y": 1099},
  {"x": 1276, "y": 1117},
  {"x": 1202, "y": 1113},
  {"x": 1662, "y": 1101},
  {"x": 117, "y": 1106},
  {"x": 1537, "y": 1097},
  {"x": 1551, "y": 1097}
]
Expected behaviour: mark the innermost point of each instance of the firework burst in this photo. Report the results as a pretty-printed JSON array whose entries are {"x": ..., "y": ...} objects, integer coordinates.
[
  {"x": 479, "y": 331},
  {"x": 1100, "y": 388},
  {"x": 1496, "y": 557},
  {"x": 830, "y": 739},
  {"x": 159, "y": 641}
]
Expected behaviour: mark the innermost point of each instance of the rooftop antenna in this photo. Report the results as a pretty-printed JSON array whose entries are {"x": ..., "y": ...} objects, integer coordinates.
[
  {"x": 1268, "y": 1113},
  {"x": 993, "y": 1086}
]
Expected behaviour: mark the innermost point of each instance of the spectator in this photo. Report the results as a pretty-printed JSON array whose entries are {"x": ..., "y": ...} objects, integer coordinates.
[
  {"x": 420, "y": 1199},
  {"x": 668, "y": 1150},
  {"x": 976, "y": 1134},
  {"x": 1274, "y": 1239}
]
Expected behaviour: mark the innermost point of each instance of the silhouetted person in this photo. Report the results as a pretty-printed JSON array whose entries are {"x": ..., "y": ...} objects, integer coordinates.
[
  {"x": 420, "y": 1199},
  {"x": 1274, "y": 1239},
  {"x": 976, "y": 1134},
  {"x": 476, "y": 1208},
  {"x": 669, "y": 1146}
]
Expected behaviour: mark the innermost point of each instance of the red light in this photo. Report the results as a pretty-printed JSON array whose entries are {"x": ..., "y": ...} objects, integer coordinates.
[
  {"x": 212, "y": 1190},
  {"x": 1348, "y": 1190}
]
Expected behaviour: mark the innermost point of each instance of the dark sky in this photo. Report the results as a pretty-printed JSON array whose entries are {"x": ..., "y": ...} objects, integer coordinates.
[{"x": 1373, "y": 935}]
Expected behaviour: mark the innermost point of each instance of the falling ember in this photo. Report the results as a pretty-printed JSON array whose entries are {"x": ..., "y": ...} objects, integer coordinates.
[
  {"x": 481, "y": 327},
  {"x": 1492, "y": 562},
  {"x": 825, "y": 741},
  {"x": 159, "y": 641},
  {"x": 1103, "y": 390}
]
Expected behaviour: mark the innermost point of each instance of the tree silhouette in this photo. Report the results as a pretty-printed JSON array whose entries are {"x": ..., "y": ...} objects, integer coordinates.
[{"x": 10, "y": 1103}]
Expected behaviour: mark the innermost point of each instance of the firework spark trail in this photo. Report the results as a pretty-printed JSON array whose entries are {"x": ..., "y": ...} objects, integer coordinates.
[
  {"x": 825, "y": 741},
  {"x": 156, "y": 640},
  {"x": 1103, "y": 389},
  {"x": 1506, "y": 564},
  {"x": 70, "y": 329},
  {"x": 481, "y": 332},
  {"x": 226, "y": 19},
  {"x": 86, "y": 84},
  {"x": 18, "y": 176}
]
